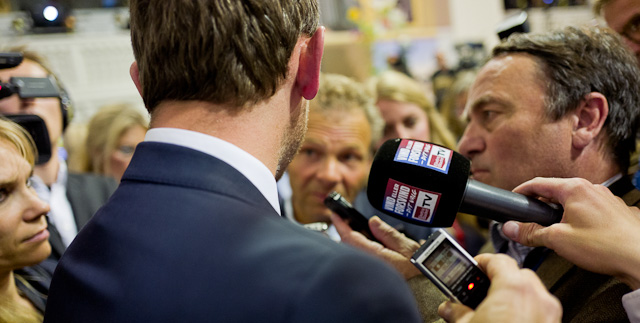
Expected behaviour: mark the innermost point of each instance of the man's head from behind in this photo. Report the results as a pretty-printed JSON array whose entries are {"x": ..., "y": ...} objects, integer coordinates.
[
  {"x": 223, "y": 52},
  {"x": 559, "y": 104},
  {"x": 344, "y": 125}
]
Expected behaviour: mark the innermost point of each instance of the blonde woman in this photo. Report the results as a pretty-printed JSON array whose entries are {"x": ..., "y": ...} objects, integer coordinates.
[
  {"x": 23, "y": 230},
  {"x": 407, "y": 111},
  {"x": 112, "y": 136}
]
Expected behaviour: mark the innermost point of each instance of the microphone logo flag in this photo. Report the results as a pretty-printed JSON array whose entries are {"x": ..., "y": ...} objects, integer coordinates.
[
  {"x": 424, "y": 154},
  {"x": 410, "y": 202}
]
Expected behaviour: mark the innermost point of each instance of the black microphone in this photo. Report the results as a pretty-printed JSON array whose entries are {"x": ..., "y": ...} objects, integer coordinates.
[{"x": 426, "y": 184}]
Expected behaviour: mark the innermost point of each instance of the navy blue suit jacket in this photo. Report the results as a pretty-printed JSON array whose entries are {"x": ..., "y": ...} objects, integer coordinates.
[
  {"x": 187, "y": 238},
  {"x": 86, "y": 194}
]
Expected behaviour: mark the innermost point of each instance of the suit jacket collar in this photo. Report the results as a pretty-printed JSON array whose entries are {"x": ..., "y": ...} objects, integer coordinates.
[
  {"x": 163, "y": 163},
  {"x": 245, "y": 163}
]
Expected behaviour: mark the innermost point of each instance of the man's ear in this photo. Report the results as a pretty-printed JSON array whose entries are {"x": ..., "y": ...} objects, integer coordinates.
[
  {"x": 308, "y": 77},
  {"x": 135, "y": 76},
  {"x": 589, "y": 119}
]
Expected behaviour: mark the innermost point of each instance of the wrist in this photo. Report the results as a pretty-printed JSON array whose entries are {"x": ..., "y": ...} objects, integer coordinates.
[
  {"x": 630, "y": 268},
  {"x": 632, "y": 282}
]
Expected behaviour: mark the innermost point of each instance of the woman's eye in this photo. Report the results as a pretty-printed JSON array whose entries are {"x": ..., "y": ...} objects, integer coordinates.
[
  {"x": 410, "y": 122},
  {"x": 127, "y": 150}
]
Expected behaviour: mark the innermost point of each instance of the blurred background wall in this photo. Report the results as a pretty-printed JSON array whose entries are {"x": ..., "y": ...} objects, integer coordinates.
[{"x": 91, "y": 49}]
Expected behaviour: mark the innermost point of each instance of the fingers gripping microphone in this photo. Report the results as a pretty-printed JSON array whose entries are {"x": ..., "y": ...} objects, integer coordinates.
[{"x": 426, "y": 184}]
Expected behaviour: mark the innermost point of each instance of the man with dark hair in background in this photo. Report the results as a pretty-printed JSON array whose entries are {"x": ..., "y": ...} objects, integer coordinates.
[
  {"x": 193, "y": 232},
  {"x": 570, "y": 110},
  {"x": 558, "y": 104}
]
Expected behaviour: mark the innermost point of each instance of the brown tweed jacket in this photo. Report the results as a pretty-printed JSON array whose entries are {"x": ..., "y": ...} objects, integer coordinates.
[{"x": 585, "y": 296}]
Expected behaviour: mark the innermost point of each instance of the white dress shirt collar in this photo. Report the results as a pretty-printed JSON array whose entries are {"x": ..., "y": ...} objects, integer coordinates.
[
  {"x": 249, "y": 166},
  {"x": 61, "y": 213}
]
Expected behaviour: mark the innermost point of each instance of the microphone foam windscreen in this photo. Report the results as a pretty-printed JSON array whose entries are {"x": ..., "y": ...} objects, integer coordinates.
[{"x": 418, "y": 182}]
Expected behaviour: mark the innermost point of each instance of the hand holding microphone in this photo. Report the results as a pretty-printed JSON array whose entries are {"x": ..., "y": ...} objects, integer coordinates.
[
  {"x": 426, "y": 184},
  {"x": 599, "y": 232}
]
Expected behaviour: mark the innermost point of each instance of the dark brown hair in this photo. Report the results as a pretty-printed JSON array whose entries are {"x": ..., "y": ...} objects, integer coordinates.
[
  {"x": 577, "y": 61},
  {"x": 225, "y": 52}
]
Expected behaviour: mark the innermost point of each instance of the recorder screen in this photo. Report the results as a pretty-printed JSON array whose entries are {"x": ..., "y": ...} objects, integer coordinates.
[{"x": 447, "y": 263}]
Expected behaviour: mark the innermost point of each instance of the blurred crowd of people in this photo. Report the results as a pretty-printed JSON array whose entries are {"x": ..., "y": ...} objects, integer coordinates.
[{"x": 169, "y": 214}]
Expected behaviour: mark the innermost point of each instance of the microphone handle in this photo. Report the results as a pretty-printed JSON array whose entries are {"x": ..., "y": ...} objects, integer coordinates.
[{"x": 501, "y": 205}]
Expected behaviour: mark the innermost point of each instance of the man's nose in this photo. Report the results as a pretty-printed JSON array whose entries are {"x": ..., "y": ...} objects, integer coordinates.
[
  {"x": 329, "y": 171},
  {"x": 471, "y": 142}
]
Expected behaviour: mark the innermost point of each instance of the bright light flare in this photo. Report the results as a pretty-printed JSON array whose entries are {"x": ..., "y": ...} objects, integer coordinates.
[{"x": 50, "y": 13}]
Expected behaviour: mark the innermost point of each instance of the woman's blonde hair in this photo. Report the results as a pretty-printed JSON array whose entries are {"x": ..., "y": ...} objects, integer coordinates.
[
  {"x": 395, "y": 86},
  {"x": 104, "y": 132},
  {"x": 19, "y": 138},
  {"x": 12, "y": 312}
]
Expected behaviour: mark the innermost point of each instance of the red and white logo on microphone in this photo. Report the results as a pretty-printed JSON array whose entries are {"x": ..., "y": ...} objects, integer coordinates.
[
  {"x": 410, "y": 202},
  {"x": 424, "y": 154}
]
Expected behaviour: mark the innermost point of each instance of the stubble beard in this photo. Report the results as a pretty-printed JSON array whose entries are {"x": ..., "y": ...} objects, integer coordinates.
[{"x": 292, "y": 138}]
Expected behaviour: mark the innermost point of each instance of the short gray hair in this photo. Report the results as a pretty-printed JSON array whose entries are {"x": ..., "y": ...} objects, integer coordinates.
[{"x": 338, "y": 92}]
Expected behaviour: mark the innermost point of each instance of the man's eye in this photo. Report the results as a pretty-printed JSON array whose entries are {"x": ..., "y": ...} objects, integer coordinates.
[
  {"x": 349, "y": 157},
  {"x": 632, "y": 29},
  {"x": 634, "y": 25},
  {"x": 4, "y": 194},
  {"x": 489, "y": 114},
  {"x": 308, "y": 152}
]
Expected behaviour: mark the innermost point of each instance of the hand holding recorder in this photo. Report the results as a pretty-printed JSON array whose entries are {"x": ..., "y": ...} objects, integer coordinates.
[
  {"x": 516, "y": 295},
  {"x": 451, "y": 269}
]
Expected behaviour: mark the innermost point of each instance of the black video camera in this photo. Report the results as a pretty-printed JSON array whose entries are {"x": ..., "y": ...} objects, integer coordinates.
[
  {"x": 29, "y": 87},
  {"x": 25, "y": 87}
]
